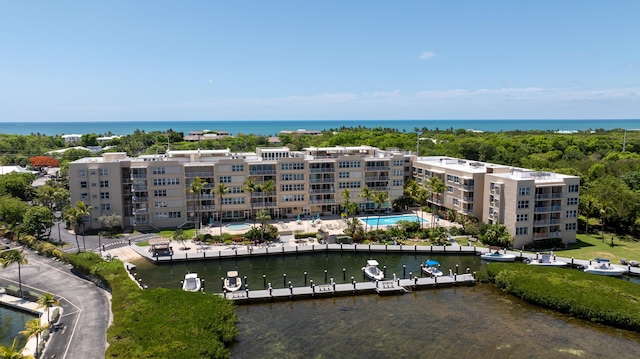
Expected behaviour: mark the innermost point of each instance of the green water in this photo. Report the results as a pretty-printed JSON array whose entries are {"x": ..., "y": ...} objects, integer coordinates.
[
  {"x": 12, "y": 321},
  {"x": 455, "y": 322}
]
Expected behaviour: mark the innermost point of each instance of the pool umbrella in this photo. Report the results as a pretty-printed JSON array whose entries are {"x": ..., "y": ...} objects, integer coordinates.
[{"x": 298, "y": 217}]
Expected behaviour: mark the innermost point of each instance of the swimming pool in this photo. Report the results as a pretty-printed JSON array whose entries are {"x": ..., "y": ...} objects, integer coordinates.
[
  {"x": 391, "y": 220},
  {"x": 238, "y": 227}
]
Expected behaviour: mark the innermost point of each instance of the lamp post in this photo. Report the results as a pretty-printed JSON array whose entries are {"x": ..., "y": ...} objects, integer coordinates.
[{"x": 418, "y": 144}]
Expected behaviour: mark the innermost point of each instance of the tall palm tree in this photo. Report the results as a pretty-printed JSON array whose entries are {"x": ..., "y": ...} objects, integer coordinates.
[
  {"x": 81, "y": 212},
  {"x": 379, "y": 198},
  {"x": 14, "y": 351},
  {"x": 34, "y": 328},
  {"x": 72, "y": 218},
  {"x": 197, "y": 186},
  {"x": 436, "y": 187},
  {"x": 421, "y": 199},
  {"x": 47, "y": 300},
  {"x": 346, "y": 196},
  {"x": 18, "y": 256},
  {"x": 367, "y": 194},
  {"x": 411, "y": 189},
  {"x": 220, "y": 190},
  {"x": 267, "y": 187},
  {"x": 263, "y": 216},
  {"x": 587, "y": 206},
  {"x": 250, "y": 187}
]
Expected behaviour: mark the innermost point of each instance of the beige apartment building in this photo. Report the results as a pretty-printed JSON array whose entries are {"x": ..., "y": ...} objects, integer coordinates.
[
  {"x": 153, "y": 191},
  {"x": 532, "y": 205}
]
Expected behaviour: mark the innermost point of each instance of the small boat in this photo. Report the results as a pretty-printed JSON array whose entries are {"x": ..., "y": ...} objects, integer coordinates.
[
  {"x": 432, "y": 268},
  {"x": 547, "y": 260},
  {"x": 495, "y": 255},
  {"x": 603, "y": 266},
  {"x": 191, "y": 282},
  {"x": 232, "y": 282},
  {"x": 372, "y": 271}
]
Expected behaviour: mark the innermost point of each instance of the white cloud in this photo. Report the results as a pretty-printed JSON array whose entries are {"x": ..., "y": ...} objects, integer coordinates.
[{"x": 427, "y": 55}]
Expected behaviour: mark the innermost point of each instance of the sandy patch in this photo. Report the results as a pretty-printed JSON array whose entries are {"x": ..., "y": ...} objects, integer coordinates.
[{"x": 125, "y": 254}]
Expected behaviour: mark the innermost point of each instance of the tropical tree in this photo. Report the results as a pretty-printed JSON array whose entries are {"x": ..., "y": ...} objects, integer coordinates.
[
  {"x": 197, "y": 186},
  {"x": 34, "y": 328},
  {"x": 13, "y": 352},
  {"x": 379, "y": 198},
  {"x": 179, "y": 236},
  {"x": 346, "y": 196},
  {"x": 263, "y": 216},
  {"x": 250, "y": 187},
  {"x": 18, "y": 256},
  {"x": 72, "y": 218},
  {"x": 37, "y": 221},
  {"x": 435, "y": 187},
  {"x": 367, "y": 194},
  {"x": 587, "y": 206},
  {"x": 47, "y": 300},
  {"x": 220, "y": 190},
  {"x": 267, "y": 188},
  {"x": 421, "y": 199},
  {"x": 497, "y": 235},
  {"x": 81, "y": 212},
  {"x": 12, "y": 210}
]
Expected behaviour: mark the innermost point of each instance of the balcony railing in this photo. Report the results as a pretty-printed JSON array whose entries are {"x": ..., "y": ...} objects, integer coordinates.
[
  {"x": 322, "y": 170},
  {"x": 377, "y": 178},
  {"x": 547, "y": 209},
  {"x": 198, "y": 174},
  {"x": 261, "y": 172},
  {"x": 138, "y": 176},
  {"x": 322, "y": 180},
  {"x": 323, "y": 201},
  {"x": 554, "y": 234},
  {"x": 323, "y": 190}
]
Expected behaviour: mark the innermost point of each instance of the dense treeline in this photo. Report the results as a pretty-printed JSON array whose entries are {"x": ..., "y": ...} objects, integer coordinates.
[{"x": 607, "y": 161}]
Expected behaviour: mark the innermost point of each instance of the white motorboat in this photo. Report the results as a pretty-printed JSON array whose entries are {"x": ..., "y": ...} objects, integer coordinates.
[
  {"x": 232, "y": 282},
  {"x": 191, "y": 282},
  {"x": 372, "y": 271},
  {"x": 547, "y": 260},
  {"x": 603, "y": 266},
  {"x": 496, "y": 256},
  {"x": 432, "y": 268}
]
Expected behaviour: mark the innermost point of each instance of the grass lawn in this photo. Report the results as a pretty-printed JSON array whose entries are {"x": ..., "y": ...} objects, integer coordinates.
[{"x": 593, "y": 246}]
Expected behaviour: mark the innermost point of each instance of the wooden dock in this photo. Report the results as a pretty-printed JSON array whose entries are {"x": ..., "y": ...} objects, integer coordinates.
[{"x": 343, "y": 289}]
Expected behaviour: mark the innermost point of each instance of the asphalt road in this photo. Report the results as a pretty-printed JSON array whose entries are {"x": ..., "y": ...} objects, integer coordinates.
[{"x": 81, "y": 330}]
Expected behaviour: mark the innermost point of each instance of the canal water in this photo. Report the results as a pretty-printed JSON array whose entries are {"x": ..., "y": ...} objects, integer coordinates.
[
  {"x": 461, "y": 322},
  {"x": 12, "y": 321}
]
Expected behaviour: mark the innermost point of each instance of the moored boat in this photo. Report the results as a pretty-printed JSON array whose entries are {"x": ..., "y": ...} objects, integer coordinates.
[
  {"x": 603, "y": 266},
  {"x": 547, "y": 260},
  {"x": 495, "y": 255},
  {"x": 432, "y": 268},
  {"x": 232, "y": 282},
  {"x": 191, "y": 282},
  {"x": 372, "y": 271}
]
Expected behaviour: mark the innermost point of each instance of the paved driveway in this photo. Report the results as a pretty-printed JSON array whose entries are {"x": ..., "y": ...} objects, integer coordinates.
[{"x": 81, "y": 331}]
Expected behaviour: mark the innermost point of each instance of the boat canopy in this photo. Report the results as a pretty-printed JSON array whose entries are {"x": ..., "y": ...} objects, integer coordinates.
[
  {"x": 372, "y": 262},
  {"x": 602, "y": 260},
  {"x": 431, "y": 262},
  {"x": 232, "y": 273}
]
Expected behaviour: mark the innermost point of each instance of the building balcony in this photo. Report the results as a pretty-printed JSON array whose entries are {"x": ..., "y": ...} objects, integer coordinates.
[
  {"x": 554, "y": 234},
  {"x": 377, "y": 178},
  {"x": 198, "y": 174},
  {"x": 323, "y": 190},
  {"x": 377, "y": 168},
  {"x": 261, "y": 172},
  {"x": 322, "y": 170},
  {"x": 138, "y": 176},
  {"x": 547, "y": 209},
  {"x": 323, "y": 201},
  {"x": 138, "y": 188},
  {"x": 137, "y": 199},
  {"x": 322, "y": 180}
]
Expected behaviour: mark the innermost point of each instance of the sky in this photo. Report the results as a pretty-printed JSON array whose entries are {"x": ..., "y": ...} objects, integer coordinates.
[{"x": 312, "y": 60}]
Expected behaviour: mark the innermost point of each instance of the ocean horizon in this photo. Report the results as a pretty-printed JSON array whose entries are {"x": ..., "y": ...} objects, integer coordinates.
[{"x": 273, "y": 127}]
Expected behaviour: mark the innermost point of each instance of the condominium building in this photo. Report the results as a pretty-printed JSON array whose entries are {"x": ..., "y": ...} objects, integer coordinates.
[
  {"x": 532, "y": 205},
  {"x": 155, "y": 191}
]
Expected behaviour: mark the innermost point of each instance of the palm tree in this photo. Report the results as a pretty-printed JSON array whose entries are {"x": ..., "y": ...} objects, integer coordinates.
[
  {"x": 367, "y": 194},
  {"x": 267, "y": 187},
  {"x": 72, "y": 218},
  {"x": 263, "y": 216},
  {"x": 197, "y": 186},
  {"x": 421, "y": 198},
  {"x": 587, "y": 207},
  {"x": 346, "y": 196},
  {"x": 220, "y": 190},
  {"x": 34, "y": 328},
  {"x": 411, "y": 189},
  {"x": 15, "y": 256},
  {"x": 436, "y": 187},
  {"x": 81, "y": 212},
  {"x": 379, "y": 198},
  {"x": 13, "y": 352},
  {"x": 250, "y": 187},
  {"x": 47, "y": 300}
]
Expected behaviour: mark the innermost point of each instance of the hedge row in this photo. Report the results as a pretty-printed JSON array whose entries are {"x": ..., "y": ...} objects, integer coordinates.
[{"x": 599, "y": 299}]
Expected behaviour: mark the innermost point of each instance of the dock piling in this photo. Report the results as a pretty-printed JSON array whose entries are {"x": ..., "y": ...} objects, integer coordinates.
[
  {"x": 284, "y": 280},
  {"x": 264, "y": 280},
  {"x": 305, "y": 279}
]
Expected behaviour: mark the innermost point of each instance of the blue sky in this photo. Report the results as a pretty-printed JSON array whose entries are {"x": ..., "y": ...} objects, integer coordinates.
[{"x": 312, "y": 60}]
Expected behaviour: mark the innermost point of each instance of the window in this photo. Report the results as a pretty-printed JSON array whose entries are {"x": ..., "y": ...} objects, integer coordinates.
[
  {"x": 83, "y": 184},
  {"x": 343, "y": 174},
  {"x": 234, "y": 189},
  {"x": 158, "y": 170},
  {"x": 573, "y": 188},
  {"x": 349, "y": 185},
  {"x": 286, "y": 166},
  {"x": 522, "y": 217},
  {"x": 298, "y": 166},
  {"x": 233, "y": 200},
  {"x": 237, "y": 168},
  {"x": 572, "y": 201},
  {"x": 493, "y": 186},
  {"x": 349, "y": 164},
  {"x": 398, "y": 172},
  {"x": 292, "y": 198},
  {"x": 161, "y": 215},
  {"x": 572, "y": 214},
  {"x": 456, "y": 202},
  {"x": 450, "y": 189},
  {"x": 84, "y": 195},
  {"x": 175, "y": 214},
  {"x": 103, "y": 171},
  {"x": 105, "y": 207},
  {"x": 398, "y": 182},
  {"x": 570, "y": 226},
  {"x": 523, "y": 204},
  {"x": 292, "y": 187},
  {"x": 522, "y": 230},
  {"x": 173, "y": 181},
  {"x": 159, "y": 192},
  {"x": 292, "y": 176},
  {"x": 82, "y": 173},
  {"x": 160, "y": 204},
  {"x": 225, "y": 179},
  {"x": 397, "y": 163},
  {"x": 104, "y": 184},
  {"x": 105, "y": 195},
  {"x": 159, "y": 182},
  {"x": 524, "y": 191}
]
